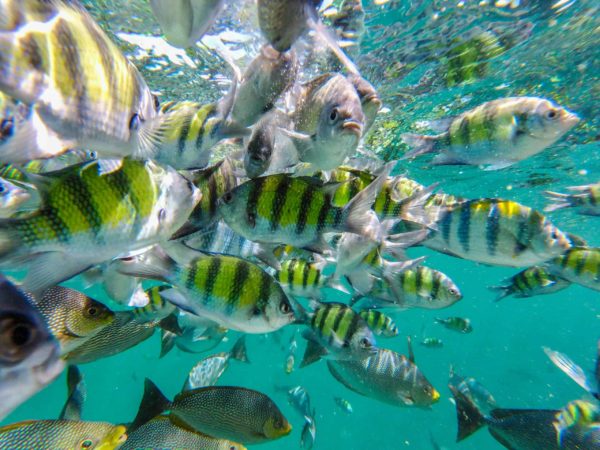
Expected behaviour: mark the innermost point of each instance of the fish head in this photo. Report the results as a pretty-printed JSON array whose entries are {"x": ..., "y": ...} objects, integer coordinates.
[
  {"x": 89, "y": 318},
  {"x": 449, "y": 293},
  {"x": 279, "y": 311},
  {"x": 369, "y": 98},
  {"x": 111, "y": 439},
  {"x": 550, "y": 241},
  {"x": 232, "y": 207},
  {"x": 276, "y": 425},
  {"x": 11, "y": 195},
  {"x": 363, "y": 341},
  {"x": 548, "y": 121},
  {"x": 391, "y": 330},
  {"x": 259, "y": 152},
  {"x": 178, "y": 198},
  {"x": 421, "y": 392}
]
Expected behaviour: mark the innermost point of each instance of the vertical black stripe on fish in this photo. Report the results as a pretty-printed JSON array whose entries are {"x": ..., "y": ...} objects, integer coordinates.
[
  {"x": 388, "y": 200},
  {"x": 324, "y": 213},
  {"x": 436, "y": 284},
  {"x": 341, "y": 314},
  {"x": 418, "y": 280},
  {"x": 240, "y": 277},
  {"x": 464, "y": 228},
  {"x": 190, "y": 280},
  {"x": 70, "y": 53},
  {"x": 213, "y": 195},
  {"x": 463, "y": 132},
  {"x": 492, "y": 229},
  {"x": 305, "y": 202},
  {"x": 81, "y": 197},
  {"x": 352, "y": 328},
  {"x": 580, "y": 262},
  {"x": 305, "y": 274},
  {"x": 32, "y": 52},
  {"x": 446, "y": 224},
  {"x": 184, "y": 132},
  {"x": 290, "y": 272},
  {"x": 264, "y": 291},
  {"x": 214, "y": 268},
  {"x": 201, "y": 130},
  {"x": 256, "y": 188},
  {"x": 58, "y": 226},
  {"x": 521, "y": 237},
  {"x": 338, "y": 217},
  {"x": 279, "y": 199},
  {"x": 325, "y": 312}
]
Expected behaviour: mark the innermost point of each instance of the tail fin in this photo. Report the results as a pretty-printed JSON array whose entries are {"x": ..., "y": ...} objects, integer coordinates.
[
  {"x": 76, "y": 395},
  {"x": 470, "y": 419},
  {"x": 238, "y": 352},
  {"x": 153, "y": 403},
  {"x": 503, "y": 292},
  {"x": 413, "y": 208},
  {"x": 421, "y": 145},
  {"x": 357, "y": 210},
  {"x": 561, "y": 201},
  {"x": 167, "y": 342},
  {"x": 154, "y": 264}
]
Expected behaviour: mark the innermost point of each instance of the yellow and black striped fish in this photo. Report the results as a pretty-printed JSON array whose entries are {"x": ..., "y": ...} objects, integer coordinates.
[
  {"x": 230, "y": 291},
  {"x": 53, "y": 55},
  {"x": 157, "y": 308},
  {"x": 336, "y": 329},
  {"x": 536, "y": 280},
  {"x": 297, "y": 211},
  {"x": 380, "y": 323},
  {"x": 579, "y": 265},
  {"x": 303, "y": 278},
  {"x": 497, "y": 232},
  {"x": 88, "y": 218},
  {"x": 213, "y": 182}
]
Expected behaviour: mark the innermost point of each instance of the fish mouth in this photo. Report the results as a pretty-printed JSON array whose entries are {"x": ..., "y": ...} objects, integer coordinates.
[
  {"x": 435, "y": 396},
  {"x": 571, "y": 119},
  {"x": 353, "y": 126}
]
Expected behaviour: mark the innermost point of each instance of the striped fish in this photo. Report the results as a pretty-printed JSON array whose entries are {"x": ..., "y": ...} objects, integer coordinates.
[
  {"x": 213, "y": 182},
  {"x": 420, "y": 287},
  {"x": 379, "y": 323},
  {"x": 496, "y": 134},
  {"x": 188, "y": 131},
  {"x": 88, "y": 218},
  {"x": 297, "y": 211},
  {"x": 336, "y": 329},
  {"x": 536, "y": 280},
  {"x": 585, "y": 199},
  {"x": 156, "y": 309},
  {"x": 230, "y": 291},
  {"x": 300, "y": 277},
  {"x": 386, "y": 376},
  {"x": 53, "y": 55},
  {"x": 497, "y": 232},
  {"x": 579, "y": 265}
]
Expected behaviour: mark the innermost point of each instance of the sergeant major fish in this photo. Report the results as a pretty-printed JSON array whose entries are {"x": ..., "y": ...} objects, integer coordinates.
[
  {"x": 536, "y": 280},
  {"x": 497, "y": 133},
  {"x": 583, "y": 199},
  {"x": 579, "y": 265}
]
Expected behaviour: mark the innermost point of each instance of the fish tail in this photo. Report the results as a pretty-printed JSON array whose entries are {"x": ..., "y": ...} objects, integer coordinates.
[
  {"x": 76, "y": 395},
  {"x": 153, "y": 403},
  {"x": 503, "y": 292},
  {"x": 421, "y": 145},
  {"x": 156, "y": 266},
  {"x": 167, "y": 342},
  {"x": 470, "y": 418},
  {"x": 412, "y": 209},
  {"x": 238, "y": 352},
  {"x": 561, "y": 201},
  {"x": 356, "y": 212}
]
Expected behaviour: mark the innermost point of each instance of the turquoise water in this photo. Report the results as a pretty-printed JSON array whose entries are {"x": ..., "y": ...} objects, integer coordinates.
[{"x": 402, "y": 44}]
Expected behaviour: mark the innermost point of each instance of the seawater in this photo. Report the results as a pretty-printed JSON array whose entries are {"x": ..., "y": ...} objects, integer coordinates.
[{"x": 403, "y": 45}]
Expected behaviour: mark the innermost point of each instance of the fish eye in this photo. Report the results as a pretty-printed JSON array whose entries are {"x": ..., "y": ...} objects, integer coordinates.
[
  {"x": 190, "y": 185},
  {"x": 134, "y": 122},
  {"x": 92, "y": 311},
  {"x": 156, "y": 102},
  {"x": 453, "y": 291},
  {"x": 21, "y": 335},
  {"x": 6, "y": 128},
  {"x": 87, "y": 443},
  {"x": 552, "y": 114},
  {"x": 365, "y": 343},
  {"x": 554, "y": 234},
  {"x": 252, "y": 219},
  {"x": 333, "y": 115},
  {"x": 256, "y": 311},
  {"x": 285, "y": 308},
  {"x": 228, "y": 197},
  {"x": 162, "y": 215},
  {"x": 2, "y": 188}
]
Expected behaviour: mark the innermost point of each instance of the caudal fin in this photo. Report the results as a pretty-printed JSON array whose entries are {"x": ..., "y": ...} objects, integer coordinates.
[
  {"x": 357, "y": 214},
  {"x": 503, "y": 292},
  {"x": 76, "y": 395},
  {"x": 421, "y": 145},
  {"x": 470, "y": 419},
  {"x": 561, "y": 201}
]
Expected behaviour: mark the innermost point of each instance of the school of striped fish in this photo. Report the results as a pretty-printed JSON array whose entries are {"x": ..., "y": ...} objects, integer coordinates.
[{"x": 262, "y": 210}]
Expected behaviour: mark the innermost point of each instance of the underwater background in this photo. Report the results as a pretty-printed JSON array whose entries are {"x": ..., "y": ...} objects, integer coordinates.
[{"x": 404, "y": 54}]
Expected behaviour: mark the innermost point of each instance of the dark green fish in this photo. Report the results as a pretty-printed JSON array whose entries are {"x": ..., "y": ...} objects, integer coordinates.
[
  {"x": 380, "y": 323},
  {"x": 73, "y": 317},
  {"x": 456, "y": 324},
  {"x": 432, "y": 342},
  {"x": 62, "y": 434},
  {"x": 232, "y": 413},
  {"x": 579, "y": 265},
  {"x": 122, "y": 334},
  {"x": 161, "y": 433}
]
